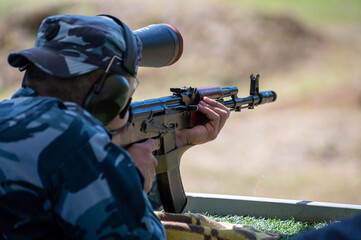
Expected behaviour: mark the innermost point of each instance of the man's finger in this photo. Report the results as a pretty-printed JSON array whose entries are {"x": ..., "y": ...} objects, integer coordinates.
[
  {"x": 217, "y": 106},
  {"x": 152, "y": 144},
  {"x": 214, "y": 103},
  {"x": 209, "y": 112}
]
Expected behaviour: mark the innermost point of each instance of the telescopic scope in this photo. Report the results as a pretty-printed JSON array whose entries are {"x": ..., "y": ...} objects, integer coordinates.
[{"x": 162, "y": 45}]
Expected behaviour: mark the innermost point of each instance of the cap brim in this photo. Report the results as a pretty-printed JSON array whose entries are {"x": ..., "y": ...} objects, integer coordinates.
[{"x": 50, "y": 62}]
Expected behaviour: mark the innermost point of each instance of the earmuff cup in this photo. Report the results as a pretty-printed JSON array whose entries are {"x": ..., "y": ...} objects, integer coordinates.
[
  {"x": 110, "y": 99},
  {"x": 110, "y": 95}
]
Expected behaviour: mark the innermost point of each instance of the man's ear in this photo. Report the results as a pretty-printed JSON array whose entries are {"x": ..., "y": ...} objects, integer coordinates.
[{"x": 25, "y": 78}]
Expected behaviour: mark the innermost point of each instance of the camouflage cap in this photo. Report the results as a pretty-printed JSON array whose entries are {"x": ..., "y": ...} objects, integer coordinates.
[{"x": 72, "y": 45}]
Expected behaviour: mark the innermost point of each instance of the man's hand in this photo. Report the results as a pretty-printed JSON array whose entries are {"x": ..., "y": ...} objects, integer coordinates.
[
  {"x": 217, "y": 115},
  {"x": 144, "y": 159}
]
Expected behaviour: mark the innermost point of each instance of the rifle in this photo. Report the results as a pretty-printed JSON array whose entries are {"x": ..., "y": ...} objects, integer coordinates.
[{"x": 159, "y": 118}]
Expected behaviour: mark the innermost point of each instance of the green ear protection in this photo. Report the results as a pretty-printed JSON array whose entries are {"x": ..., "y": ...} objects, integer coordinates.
[
  {"x": 108, "y": 98},
  {"x": 110, "y": 95}
]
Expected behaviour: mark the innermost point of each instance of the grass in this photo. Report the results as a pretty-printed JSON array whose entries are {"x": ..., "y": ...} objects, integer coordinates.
[{"x": 289, "y": 228}]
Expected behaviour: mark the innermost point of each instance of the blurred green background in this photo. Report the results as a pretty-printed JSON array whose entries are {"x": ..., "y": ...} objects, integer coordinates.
[{"x": 305, "y": 146}]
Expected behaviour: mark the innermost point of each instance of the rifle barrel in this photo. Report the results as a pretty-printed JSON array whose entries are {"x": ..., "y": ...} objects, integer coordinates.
[{"x": 251, "y": 101}]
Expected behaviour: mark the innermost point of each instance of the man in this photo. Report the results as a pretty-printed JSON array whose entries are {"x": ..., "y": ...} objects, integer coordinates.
[{"x": 61, "y": 176}]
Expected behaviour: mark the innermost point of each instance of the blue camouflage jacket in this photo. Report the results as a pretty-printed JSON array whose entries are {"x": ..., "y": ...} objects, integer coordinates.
[{"x": 58, "y": 165}]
